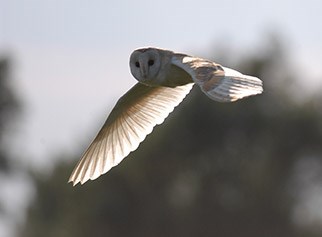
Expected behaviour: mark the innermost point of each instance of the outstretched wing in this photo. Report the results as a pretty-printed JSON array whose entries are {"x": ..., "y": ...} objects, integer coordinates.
[
  {"x": 131, "y": 120},
  {"x": 218, "y": 82}
]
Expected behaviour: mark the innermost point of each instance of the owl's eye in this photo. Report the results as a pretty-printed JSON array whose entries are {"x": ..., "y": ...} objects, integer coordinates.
[
  {"x": 137, "y": 64},
  {"x": 150, "y": 62}
]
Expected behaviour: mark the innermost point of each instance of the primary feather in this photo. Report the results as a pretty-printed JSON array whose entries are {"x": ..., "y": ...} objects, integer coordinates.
[{"x": 133, "y": 117}]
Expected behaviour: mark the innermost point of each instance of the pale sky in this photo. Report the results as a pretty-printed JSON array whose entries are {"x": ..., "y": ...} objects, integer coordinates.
[{"x": 71, "y": 57}]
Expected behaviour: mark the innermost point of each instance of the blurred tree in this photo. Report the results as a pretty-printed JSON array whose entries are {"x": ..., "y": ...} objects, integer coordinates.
[
  {"x": 8, "y": 109},
  {"x": 210, "y": 170}
]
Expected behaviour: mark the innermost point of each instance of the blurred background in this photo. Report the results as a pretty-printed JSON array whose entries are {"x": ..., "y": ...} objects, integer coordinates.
[{"x": 249, "y": 168}]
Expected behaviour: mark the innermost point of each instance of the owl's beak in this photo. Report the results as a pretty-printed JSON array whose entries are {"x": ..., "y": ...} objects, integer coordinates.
[{"x": 144, "y": 71}]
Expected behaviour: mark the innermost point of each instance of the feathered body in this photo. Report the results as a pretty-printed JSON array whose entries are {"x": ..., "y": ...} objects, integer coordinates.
[{"x": 164, "y": 79}]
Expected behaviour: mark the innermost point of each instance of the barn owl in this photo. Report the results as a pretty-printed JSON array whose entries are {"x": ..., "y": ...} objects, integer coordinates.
[{"x": 164, "y": 79}]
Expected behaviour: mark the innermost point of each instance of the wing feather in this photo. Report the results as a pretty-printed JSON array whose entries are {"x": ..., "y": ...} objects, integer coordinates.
[
  {"x": 217, "y": 82},
  {"x": 131, "y": 120}
]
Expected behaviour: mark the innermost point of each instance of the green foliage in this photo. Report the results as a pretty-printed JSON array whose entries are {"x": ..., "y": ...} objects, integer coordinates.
[{"x": 210, "y": 170}]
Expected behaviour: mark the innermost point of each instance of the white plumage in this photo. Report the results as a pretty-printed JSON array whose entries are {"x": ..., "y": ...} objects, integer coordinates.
[{"x": 165, "y": 78}]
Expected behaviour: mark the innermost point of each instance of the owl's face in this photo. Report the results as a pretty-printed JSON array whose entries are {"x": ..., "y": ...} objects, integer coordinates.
[{"x": 145, "y": 65}]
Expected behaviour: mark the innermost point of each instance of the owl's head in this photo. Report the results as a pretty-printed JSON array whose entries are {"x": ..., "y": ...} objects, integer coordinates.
[{"x": 145, "y": 64}]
